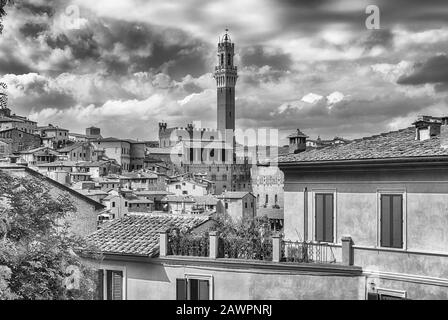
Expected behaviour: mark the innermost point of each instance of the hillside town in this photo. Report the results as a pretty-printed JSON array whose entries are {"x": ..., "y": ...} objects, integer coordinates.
[
  {"x": 127, "y": 176},
  {"x": 336, "y": 218}
]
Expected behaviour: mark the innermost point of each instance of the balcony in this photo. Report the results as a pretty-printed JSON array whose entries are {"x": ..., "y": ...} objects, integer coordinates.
[{"x": 274, "y": 250}]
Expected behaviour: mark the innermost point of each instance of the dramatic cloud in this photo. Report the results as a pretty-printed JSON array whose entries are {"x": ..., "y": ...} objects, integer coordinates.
[
  {"x": 434, "y": 70},
  {"x": 312, "y": 64}
]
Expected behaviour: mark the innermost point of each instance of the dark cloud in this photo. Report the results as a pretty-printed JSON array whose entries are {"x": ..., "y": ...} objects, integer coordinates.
[
  {"x": 308, "y": 16},
  {"x": 257, "y": 56},
  {"x": 142, "y": 48},
  {"x": 37, "y": 9},
  {"x": 32, "y": 30},
  {"x": 374, "y": 38},
  {"x": 81, "y": 43},
  {"x": 11, "y": 63},
  {"x": 190, "y": 88},
  {"x": 434, "y": 70}
]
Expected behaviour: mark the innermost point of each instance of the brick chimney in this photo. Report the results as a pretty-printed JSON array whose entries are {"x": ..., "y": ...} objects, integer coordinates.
[
  {"x": 427, "y": 127},
  {"x": 297, "y": 142},
  {"x": 444, "y": 133}
]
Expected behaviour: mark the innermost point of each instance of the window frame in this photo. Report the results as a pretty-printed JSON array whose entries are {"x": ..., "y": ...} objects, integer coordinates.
[
  {"x": 403, "y": 194},
  {"x": 401, "y": 294},
  {"x": 312, "y": 227},
  {"x": 194, "y": 276},
  {"x": 123, "y": 270}
]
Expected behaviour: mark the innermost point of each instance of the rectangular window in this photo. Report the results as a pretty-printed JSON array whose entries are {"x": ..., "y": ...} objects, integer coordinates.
[
  {"x": 114, "y": 285},
  {"x": 192, "y": 289},
  {"x": 324, "y": 216},
  {"x": 391, "y": 220}
]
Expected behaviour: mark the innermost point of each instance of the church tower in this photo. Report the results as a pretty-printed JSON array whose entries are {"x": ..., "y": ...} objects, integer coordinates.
[{"x": 225, "y": 76}]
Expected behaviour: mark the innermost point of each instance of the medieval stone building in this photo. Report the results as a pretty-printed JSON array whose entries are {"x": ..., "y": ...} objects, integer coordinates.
[{"x": 211, "y": 152}]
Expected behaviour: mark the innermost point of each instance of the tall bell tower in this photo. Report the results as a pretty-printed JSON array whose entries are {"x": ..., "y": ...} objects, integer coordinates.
[{"x": 226, "y": 76}]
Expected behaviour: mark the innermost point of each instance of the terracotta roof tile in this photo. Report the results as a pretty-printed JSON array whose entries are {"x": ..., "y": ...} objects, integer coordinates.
[
  {"x": 395, "y": 144},
  {"x": 139, "y": 234}
]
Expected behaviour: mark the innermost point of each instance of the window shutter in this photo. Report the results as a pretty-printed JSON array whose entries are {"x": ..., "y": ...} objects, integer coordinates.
[
  {"x": 397, "y": 221},
  {"x": 319, "y": 217},
  {"x": 181, "y": 289},
  {"x": 329, "y": 216},
  {"x": 386, "y": 221},
  {"x": 100, "y": 285},
  {"x": 204, "y": 290},
  {"x": 117, "y": 285},
  {"x": 193, "y": 289},
  {"x": 372, "y": 296}
]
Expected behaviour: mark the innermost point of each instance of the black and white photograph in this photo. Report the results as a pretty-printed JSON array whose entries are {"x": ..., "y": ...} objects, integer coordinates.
[{"x": 251, "y": 152}]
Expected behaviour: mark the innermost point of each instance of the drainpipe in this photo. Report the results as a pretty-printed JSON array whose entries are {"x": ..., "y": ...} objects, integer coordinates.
[{"x": 305, "y": 214}]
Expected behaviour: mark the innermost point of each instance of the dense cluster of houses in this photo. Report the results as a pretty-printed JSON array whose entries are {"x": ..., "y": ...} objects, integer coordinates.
[{"x": 361, "y": 219}]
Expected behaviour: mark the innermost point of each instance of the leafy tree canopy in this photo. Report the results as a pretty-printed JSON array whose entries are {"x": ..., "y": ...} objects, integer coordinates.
[{"x": 37, "y": 260}]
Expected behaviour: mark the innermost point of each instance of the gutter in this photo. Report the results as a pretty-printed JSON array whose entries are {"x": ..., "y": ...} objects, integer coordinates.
[{"x": 436, "y": 160}]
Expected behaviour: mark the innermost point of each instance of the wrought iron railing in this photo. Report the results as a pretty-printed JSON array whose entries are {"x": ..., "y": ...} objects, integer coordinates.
[
  {"x": 188, "y": 246},
  {"x": 307, "y": 252},
  {"x": 241, "y": 248}
]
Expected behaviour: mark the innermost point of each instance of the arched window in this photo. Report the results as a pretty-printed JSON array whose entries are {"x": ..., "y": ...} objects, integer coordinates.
[
  {"x": 267, "y": 199},
  {"x": 222, "y": 58},
  {"x": 228, "y": 59}
]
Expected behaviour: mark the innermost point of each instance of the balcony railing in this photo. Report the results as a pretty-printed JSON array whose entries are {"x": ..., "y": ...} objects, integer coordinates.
[
  {"x": 241, "y": 248},
  {"x": 307, "y": 252},
  {"x": 274, "y": 249},
  {"x": 188, "y": 246}
]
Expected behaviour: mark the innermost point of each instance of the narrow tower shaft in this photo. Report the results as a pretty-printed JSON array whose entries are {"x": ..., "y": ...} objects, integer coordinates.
[{"x": 226, "y": 76}]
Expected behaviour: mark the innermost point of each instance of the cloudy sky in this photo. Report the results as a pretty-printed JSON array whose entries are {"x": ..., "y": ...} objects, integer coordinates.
[{"x": 310, "y": 64}]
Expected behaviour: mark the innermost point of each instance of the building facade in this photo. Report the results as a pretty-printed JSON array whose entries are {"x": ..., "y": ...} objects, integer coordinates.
[
  {"x": 388, "y": 193},
  {"x": 19, "y": 140},
  {"x": 53, "y": 136},
  {"x": 153, "y": 271}
]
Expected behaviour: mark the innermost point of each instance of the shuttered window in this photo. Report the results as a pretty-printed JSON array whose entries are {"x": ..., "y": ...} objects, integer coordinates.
[
  {"x": 114, "y": 285},
  {"x": 100, "y": 285},
  {"x": 392, "y": 220},
  {"x": 181, "y": 289},
  {"x": 192, "y": 289},
  {"x": 324, "y": 217}
]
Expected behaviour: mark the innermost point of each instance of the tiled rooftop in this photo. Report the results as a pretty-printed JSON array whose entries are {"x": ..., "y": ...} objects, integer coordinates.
[
  {"x": 176, "y": 198},
  {"x": 233, "y": 195},
  {"x": 207, "y": 200},
  {"x": 139, "y": 234},
  {"x": 395, "y": 144}
]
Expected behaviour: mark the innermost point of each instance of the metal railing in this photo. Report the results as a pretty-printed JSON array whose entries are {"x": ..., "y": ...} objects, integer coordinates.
[
  {"x": 188, "y": 246},
  {"x": 241, "y": 248},
  {"x": 307, "y": 252}
]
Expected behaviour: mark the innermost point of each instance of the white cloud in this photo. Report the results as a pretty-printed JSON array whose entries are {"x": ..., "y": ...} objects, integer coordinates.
[
  {"x": 335, "y": 97},
  {"x": 311, "y": 98}
]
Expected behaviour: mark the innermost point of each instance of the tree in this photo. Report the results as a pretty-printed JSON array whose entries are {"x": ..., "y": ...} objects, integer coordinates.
[
  {"x": 37, "y": 258},
  {"x": 3, "y": 4}
]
